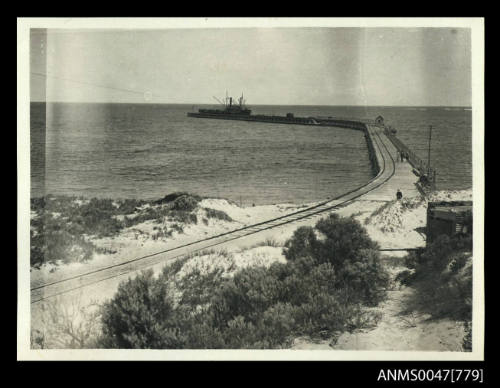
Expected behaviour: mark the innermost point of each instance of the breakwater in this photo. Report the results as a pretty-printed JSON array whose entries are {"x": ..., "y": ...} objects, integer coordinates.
[
  {"x": 371, "y": 153},
  {"x": 290, "y": 119}
]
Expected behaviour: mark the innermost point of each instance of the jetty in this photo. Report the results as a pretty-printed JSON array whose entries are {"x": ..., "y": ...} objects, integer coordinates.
[{"x": 412, "y": 176}]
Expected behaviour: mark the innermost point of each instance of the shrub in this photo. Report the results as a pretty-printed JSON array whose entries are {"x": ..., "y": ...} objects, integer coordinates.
[
  {"x": 173, "y": 196},
  {"x": 140, "y": 316},
  {"x": 162, "y": 233},
  {"x": 218, "y": 214},
  {"x": 37, "y": 204},
  {"x": 276, "y": 325},
  {"x": 129, "y": 206},
  {"x": 157, "y": 214},
  {"x": 62, "y": 225},
  {"x": 442, "y": 277},
  {"x": 185, "y": 203},
  {"x": 66, "y": 324},
  {"x": 269, "y": 242},
  {"x": 197, "y": 289},
  {"x": 182, "y": 217},
  {"x": 345, "y": 240},
  {"x": 58, "y": 231},
  {"x": 315, "y": 293},
  {"x": 348, "y": 248},
  {"x": 201, "y": 334},
  {"x": 59, "y": 245},
  {"x": 302, "y": 243},
  {"x": 178, "y": 228}
]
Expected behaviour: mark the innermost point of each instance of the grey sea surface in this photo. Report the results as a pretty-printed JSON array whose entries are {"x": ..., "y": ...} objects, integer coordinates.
[{"x": 149, "y": 150}]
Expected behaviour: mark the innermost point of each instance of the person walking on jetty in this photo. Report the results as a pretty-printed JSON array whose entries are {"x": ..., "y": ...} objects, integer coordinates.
[{"x": 399, "y": 195}]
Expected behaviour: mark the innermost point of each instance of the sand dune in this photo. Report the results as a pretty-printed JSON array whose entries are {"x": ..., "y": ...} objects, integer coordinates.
[{"x": 394, "y": 224}]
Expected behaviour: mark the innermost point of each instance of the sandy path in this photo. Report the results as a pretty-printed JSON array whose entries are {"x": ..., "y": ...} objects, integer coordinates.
[{"x": 396, "y": 331}]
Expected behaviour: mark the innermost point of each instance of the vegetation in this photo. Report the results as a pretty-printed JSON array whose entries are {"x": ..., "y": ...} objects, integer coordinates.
[
  {"x": 441, "y": 274},
  {"x": 174, "y": 196},
  {"x": 344, "y": 244},
  {"x": 66, "y": 325},
  {"x": 269, "y": 242},
  {"x": 217, "y": 214},
  {"x": 332, "y": 272},
  {"x": 378, "y": 211},
  {"x": 62, "y": 226}
]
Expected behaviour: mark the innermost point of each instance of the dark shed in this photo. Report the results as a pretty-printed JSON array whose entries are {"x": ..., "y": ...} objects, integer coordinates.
[{"x": 448, "y": 218}]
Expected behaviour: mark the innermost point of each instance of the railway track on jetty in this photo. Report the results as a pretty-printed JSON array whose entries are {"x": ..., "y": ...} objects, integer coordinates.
[{"x": 386, "y": 170}]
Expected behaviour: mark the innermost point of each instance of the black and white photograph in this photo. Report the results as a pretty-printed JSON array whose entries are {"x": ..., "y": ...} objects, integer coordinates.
[{"x": 313, "y": 187}]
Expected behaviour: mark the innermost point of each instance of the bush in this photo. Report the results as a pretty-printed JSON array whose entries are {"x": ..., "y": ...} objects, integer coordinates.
[
  {"x": 173, "y": 196},
  {"x": 316, "y": 293},
  {"x": 217, "y": 214},
  {"x": 140, "y": 316},
  {"x": 442, "y": 277},
  {"x": 269, "y": 242},
  {"x": 62, "y": 225},
  {"x": 129, "y": 206},
  {"x": 345, "y": 240},
  {"x": 185, "y": 203},
  {"x": 66, "y": 324},
  {"x": 303, "y": 243},
  {"x": 346, "y": 245},
  {"x": 162, "y": 233},
  {"x": 37, "y": 204},
  {"x": 182, "y": 217},
  {"x": 59, "y": 245}
]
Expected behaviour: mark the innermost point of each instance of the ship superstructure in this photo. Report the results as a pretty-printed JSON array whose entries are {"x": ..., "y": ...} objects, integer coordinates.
[{"x": 229, "y": 107}]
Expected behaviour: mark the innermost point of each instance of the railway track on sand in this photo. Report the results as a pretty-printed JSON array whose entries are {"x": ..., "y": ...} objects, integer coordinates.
[{"x": 63, "y": 286}]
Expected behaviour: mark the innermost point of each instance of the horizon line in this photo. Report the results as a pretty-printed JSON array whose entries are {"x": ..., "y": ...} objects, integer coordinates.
[{"x": 190, "y": 103}]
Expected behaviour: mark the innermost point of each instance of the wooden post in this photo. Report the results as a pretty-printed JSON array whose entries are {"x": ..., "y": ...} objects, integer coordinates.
[{"x": 429, "y": 153}]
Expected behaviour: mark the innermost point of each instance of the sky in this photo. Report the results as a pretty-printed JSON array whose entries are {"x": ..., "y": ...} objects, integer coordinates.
[{"x": 277, "y": 66}]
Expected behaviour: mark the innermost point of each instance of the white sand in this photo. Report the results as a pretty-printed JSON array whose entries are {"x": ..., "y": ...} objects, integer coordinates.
[
  {"x": 401, "y": 224},
  {"x": 398, "y": 225},
  {"x": 137, "y": 240},
  {"x": 396, "y": 331}
]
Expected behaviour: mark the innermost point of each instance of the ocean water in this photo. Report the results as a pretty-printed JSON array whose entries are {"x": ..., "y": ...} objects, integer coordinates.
[{"x": 147, "y": 151}]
